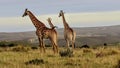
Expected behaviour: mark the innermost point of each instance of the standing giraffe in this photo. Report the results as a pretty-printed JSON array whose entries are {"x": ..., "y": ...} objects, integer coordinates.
[
  {"x": 43, "y": 32},
  {"x": 69, "y": 34}
]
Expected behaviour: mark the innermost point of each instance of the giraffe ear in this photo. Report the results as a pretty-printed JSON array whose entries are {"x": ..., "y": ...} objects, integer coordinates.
[
  {"x": 26, "y": 9},
  {"x": 61, "y": 10}
]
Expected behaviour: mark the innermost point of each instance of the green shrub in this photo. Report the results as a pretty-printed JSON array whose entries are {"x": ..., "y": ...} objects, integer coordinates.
[
  {"x": 35, "y": 61},
  {"x": 48, "y": 45},
  {"x": 34, "y": 48},
  {"x": 68, "y": 52},
  {"x": 7, "y": 44}
]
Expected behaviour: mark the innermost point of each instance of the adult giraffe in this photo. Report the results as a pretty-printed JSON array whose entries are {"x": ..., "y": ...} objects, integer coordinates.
[
  {"x": 69, "y": 33},
  {"x": 43, "y": 32}
]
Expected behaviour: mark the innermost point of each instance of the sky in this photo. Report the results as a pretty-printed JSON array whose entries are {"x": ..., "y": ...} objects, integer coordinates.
[{"x": 78, "y": 13}]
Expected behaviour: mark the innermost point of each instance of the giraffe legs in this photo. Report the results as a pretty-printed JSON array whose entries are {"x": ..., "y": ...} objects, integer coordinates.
[
  {"x": 73, "y": 44},
  {"x": 41, "y": 44},
  {"x": 67, "y": 43},
  {"x": 73, "y": 39},
  {"x": 54, "y": 45},
  {"x": 56, "y": 48}
]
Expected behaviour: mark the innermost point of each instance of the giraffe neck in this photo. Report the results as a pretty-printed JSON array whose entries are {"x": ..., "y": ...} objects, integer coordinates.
[
  {"x": 64, "y": 22},
  {"x": 51, "y": 25},
  {"x": 35, "y": 21}
]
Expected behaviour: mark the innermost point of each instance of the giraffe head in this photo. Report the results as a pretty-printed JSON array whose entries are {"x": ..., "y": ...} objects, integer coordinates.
[
  {"x": 61, "y": 13},
  {"x": 25, "y": 13},
  {"x": 49, "y": 19}
]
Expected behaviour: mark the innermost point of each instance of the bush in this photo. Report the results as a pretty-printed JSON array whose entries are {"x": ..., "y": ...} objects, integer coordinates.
[
  {"x": 34, "y": 48},
  {"x": 20, "y": 48},
  {"x": 12, "y": 45},
  {"x": 48, "y": 45},
  {"x": 35, "y": 61},
  {"x": 7, "y": 44},
  {"x": 85, "y": 46},
  {"x": 72, "y": 64},
  {"x": 68, "y": 52}
]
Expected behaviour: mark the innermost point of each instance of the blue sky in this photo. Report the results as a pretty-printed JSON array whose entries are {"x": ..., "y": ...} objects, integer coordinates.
[
  {"x": 16, "y": 7},
  {"x": 11, "y": 12}
]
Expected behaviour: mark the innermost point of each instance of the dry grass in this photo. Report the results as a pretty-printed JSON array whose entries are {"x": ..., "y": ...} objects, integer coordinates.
[{"x": 82, "y": 58}]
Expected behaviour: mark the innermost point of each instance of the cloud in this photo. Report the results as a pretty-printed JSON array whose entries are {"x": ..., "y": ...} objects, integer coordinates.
[
  {"x": 95, "y": 17},
  {"x": 74, "y": 20},
  {"x": 89, "y": 18}
]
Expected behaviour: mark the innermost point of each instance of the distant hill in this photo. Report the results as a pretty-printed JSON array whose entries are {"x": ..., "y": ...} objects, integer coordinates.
[
  {"x": 4, "y": 36},
  {"x": 85, "y": 35}
]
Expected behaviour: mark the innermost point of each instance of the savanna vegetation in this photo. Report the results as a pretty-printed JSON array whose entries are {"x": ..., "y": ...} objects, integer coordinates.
[{"x": 16, "y": 55}]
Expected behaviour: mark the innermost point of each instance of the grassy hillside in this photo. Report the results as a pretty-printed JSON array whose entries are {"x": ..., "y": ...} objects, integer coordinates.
[{"x": 27, "y": 57}]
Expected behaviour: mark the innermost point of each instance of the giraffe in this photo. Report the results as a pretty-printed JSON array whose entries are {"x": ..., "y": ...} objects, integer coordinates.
[
  {"x": 69, "y": 33},
  {"x": 51, "y": 25},
  {"x": 43, "y": 32}
]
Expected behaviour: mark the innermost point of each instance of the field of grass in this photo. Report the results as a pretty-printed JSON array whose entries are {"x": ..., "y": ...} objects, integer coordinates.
[{"x": 25, "y": 57}]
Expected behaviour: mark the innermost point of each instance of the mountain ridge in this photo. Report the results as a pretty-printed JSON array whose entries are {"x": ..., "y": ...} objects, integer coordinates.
[{"x": 90, "y": 35}]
